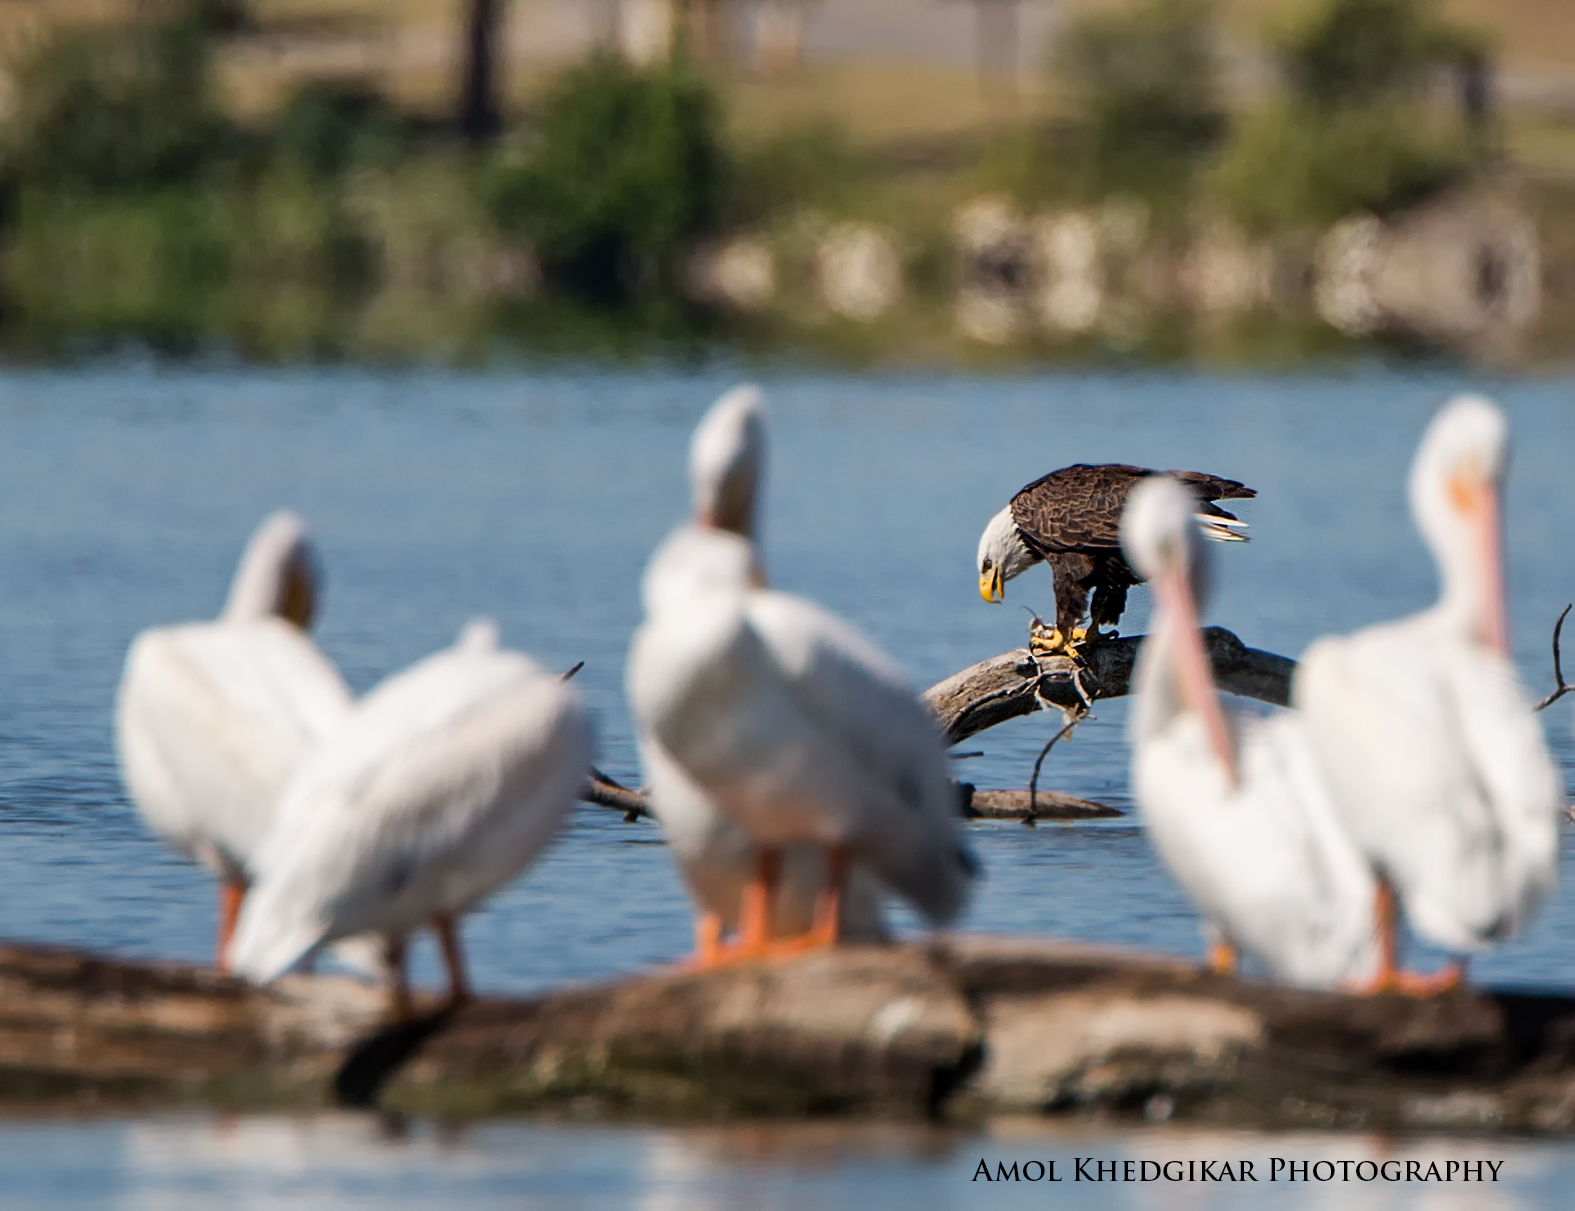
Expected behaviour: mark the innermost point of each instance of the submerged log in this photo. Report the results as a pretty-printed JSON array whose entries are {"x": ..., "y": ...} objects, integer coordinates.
[
  {"x": 964, "y": 1025},
  {"x": 1028, "y": 806}
]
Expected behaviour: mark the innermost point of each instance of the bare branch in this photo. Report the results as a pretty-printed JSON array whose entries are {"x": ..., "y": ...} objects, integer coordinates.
[
  {"x": 1559, "y": 687},
  {"x": 602, "y": 791},
  {"x": 1018, "y": 683},
  {"x": 1073, "y": 719}
]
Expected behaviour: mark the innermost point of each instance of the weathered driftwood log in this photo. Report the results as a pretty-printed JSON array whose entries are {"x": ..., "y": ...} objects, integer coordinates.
[
  {"x": 1018, "y": 683},
  {"x": 973, "y": 804},
  {"x": 964, "y": 1025}
]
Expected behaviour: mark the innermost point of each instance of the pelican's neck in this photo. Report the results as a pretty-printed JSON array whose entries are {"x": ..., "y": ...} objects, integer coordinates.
[
  {"x": 1470, "y": 603},
  {"x": 1157, "y": 700}
]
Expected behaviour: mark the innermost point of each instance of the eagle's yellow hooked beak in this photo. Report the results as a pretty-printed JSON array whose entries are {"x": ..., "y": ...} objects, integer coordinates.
[{"x": 990, "y": 586}]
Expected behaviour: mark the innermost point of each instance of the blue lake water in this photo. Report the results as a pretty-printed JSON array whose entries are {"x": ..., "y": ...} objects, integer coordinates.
[{"x": 126, "y": 492}]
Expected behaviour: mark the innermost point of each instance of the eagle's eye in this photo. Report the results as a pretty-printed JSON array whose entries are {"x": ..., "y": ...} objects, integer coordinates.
[{"x": 986, "y": 566}]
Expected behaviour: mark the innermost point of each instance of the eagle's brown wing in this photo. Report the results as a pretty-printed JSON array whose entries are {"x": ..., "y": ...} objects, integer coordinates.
[{"x": 1077, "y": 508}]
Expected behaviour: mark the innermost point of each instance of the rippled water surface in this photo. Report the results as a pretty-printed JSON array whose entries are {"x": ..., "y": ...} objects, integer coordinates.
[{"x": 126, "y": 493}]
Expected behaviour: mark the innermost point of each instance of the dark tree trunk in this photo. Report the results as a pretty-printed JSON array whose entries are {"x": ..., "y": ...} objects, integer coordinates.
[{"x": 479, "y": 112}]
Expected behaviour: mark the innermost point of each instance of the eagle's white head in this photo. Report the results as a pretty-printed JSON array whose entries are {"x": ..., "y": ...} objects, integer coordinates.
[{"x": 1002, "y": 555}]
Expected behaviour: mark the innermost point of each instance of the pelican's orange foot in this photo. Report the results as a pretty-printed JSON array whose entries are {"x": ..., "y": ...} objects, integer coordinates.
[
  {"x": 1413, "y": 984},
  {"x": 732, "y": 954},
  {"x": 1222, "y": 959}
]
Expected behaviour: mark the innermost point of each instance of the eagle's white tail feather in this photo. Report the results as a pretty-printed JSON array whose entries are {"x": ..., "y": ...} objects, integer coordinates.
[{"x": 1221, "y": 529}]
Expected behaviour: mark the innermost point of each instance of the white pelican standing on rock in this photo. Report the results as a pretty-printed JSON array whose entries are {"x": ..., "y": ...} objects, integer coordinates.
[
  {"x": 213, "y": 718},
  {"x": 717, "y": 856},
  {"x": 1236, "y": 806},
  {"x": 1437, "y": 762},
  {"x": 446, "y": 781},
  {"x": 789, "y": 724}
]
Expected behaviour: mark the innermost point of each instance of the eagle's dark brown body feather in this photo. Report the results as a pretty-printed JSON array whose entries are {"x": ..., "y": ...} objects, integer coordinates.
[{"x": 1071, "y": 519}]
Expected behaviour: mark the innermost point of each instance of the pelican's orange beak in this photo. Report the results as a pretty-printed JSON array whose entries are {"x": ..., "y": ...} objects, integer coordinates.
[
  {"x": 991, "y": 587},
  {"x": 1477, "y": 499},
  {"x": 1192, "y": 666}
]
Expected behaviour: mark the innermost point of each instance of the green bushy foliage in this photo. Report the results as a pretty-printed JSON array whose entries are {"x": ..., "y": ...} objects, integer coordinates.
[
  {"x": 1144, "y": 83},
  {"x": 329, "y": 126},
  {"x": 112, "y": 108},
  {"x": 1288, "y": 167},
  {"x": 799, "y": 168},
  {"x": 625, "y": 168},
  {"x": 1353, "y": 131},
  {"x": 1361, "y": 52}
]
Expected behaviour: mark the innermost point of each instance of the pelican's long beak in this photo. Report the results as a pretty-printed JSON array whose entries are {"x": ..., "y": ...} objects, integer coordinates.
[
  {"x": 1477, "y": 499},
  {"x": 1490, "y": 539},
  {"x": 1192, "y": 665},
  {"x": 991, "y": 587}
]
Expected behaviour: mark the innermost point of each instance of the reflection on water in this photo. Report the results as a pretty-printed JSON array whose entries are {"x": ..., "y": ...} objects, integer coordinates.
[{"x": 340, "y": 1161}]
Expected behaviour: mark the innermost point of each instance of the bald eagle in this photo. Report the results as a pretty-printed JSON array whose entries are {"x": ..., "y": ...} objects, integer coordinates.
[{"x": 1071, "y": 519}]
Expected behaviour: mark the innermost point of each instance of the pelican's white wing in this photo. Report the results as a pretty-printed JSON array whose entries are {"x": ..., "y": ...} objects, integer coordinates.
[
  {"x": 800, "y": 730},
  {"x": 211, "y": 721},
  {"x": 447, "y": 780},
  {"x": 1440, "y": 772},
  {"x": 1266, "y": 861}
]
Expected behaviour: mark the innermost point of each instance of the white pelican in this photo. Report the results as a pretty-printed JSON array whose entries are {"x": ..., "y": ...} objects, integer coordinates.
[
  {"x": 717, "y": 856},
  {"x": 212, "y": 718},
  {"x": 767, "y": 723},
  {"x": 445, "y": 782},
  {"x": 1235, "y": 805},
  {"x": 1437, "y": 763}
]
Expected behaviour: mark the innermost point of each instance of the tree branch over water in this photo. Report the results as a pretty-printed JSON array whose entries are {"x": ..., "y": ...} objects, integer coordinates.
[
  {"x": 1018, "y": 683},
  {"x": 1559, "y": 686}
]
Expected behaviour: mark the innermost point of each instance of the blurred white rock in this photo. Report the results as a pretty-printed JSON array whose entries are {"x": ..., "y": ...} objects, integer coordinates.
[{"x": 858, "y": 269}]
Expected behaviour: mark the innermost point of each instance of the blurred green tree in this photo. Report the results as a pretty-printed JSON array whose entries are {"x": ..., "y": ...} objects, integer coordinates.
[
  {"x": 625, "y": 168},
  {"x": 1353, "y": 129},
  {"x": 1143, "y": 84},
  {"x": 109, "y": 107}
]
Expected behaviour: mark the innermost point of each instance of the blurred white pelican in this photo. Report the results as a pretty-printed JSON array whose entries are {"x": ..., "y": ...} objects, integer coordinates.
[
  {"x": 212, "y": 718},
  {"x": 717, "y": 856},
  {"x": 443, "y": 784},
  {"x": 765, "y": 710},
  {"x": 1235, "y": 805},
  {"x": 1437, "y": 763}
]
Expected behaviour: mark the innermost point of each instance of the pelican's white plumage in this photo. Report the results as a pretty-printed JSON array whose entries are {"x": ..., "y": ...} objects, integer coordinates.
[
  {"x": 766, "y": 721},
  {"x": 445, "y": 782},
  {"x": 715, "y": 551},
  {"x": 1236, "y": 805},
  {"x": 1437, "y": 762},
  {"x": 213, "y": 718}
]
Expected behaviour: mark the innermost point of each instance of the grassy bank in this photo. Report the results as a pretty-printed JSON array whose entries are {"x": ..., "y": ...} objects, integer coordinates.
[{"x": 142, "y": 203}]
